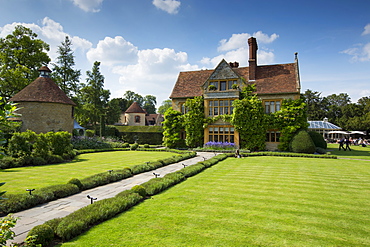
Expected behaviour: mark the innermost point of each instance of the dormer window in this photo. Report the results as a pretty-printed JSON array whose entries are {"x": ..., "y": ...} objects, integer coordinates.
[
  {"x": 44, "y": 71},
  {"x": 223, "y": 85}
]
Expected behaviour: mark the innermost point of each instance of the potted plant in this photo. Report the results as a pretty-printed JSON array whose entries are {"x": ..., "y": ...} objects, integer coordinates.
[{"x": 211, "y": 87}]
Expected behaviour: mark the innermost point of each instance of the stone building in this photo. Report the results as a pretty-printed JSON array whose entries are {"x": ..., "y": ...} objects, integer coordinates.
[
  {"x": 43, "y": 106},
  {"x": 222, "y": 85},
  {"x": 133, "y": 116}
]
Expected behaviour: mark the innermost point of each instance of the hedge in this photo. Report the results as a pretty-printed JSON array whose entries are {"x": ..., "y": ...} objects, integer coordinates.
[
  {"x": 81, "y": 220},
  {"x": 18, "y": 202}
]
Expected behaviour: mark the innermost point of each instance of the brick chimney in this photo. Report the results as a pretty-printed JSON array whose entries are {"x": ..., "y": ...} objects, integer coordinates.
[{"x": 252, "y": 58}]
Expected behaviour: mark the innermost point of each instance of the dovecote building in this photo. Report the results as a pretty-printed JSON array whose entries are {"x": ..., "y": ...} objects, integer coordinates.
[{"x": 43, "y": 106}]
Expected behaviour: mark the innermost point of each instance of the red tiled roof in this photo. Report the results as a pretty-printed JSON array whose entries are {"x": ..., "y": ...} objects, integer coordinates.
[
  {"x": 270, "y": 79},
  {"x": 43, "y": 89},
  {"x": 135, "y": 108}
]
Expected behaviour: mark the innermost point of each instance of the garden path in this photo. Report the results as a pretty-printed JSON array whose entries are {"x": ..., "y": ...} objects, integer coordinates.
[{"x": 59, "y": 208}]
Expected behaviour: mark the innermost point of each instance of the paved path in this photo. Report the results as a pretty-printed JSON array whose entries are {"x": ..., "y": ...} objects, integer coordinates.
[{"x": 59, "y": 208}]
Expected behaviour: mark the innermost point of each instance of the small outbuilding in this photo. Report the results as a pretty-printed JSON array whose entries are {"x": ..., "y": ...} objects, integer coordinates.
[{"x": 43, "y": 106}]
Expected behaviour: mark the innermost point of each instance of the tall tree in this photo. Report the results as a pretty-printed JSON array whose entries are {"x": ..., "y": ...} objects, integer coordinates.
[
  {"x": 113, "y": 111},
  {"x": 316, "y": 105},
  {"x": 335, "y": 104},
  {"x": 21, "y": 55},
  {"x": 63, "y": 73},
  {"x": 149, "y": 104},
  {"x": 164, "y": 106},
  {"x": 93, "y": 97}
]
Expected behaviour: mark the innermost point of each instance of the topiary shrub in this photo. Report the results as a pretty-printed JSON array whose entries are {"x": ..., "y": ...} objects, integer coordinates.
[
  {"x": 318, "y": 139},
  {"x": 76, "y": 182},
  {"x": 134, "y": 146},
  {"x": 44, "y": 234},
  {"x": 320, "y": 150},
  {"x": 140, "y": 190},
  {"x": 302, "y": 143},
  {"x": 146, "y": 145}
]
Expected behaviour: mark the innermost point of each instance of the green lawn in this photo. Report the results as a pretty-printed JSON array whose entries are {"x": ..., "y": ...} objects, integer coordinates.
[
  {"x": 358, "y": 152},
  {"x": 34, "y": 177},
  {"x": 255, "y": 201}
]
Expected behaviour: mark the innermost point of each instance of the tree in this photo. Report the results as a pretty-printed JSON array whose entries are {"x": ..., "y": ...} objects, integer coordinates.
[
  {"x": 132, "y": 97},
  {"x": 316, "y": 105},
  {"x": 335, "y": 104},
  {"x": 93, "y": 97},
  {"x": 21, "y": 55},
  {"x": 63, "y": 73},
  {"x": 164, "y": 106},
  {"x": 113, "y": 112},
  {"x": 149, "y": 104}
]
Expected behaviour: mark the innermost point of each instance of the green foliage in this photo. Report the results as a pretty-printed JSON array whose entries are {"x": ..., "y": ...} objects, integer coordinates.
[
  {"x": 93, "y": 97},
  {"x": 172, "y": 126},
  {"x": 63, "y": 74},
  {"x": 291, "y": 118},
  {"x": 164, "y": 106},
  {"x": 302, "y": 143},
  {"x": 81, "y": 220},
  {"x": 134, "y": 146},
  {"x": 21, "y": 55},
  {"x": 193, "y": 122},
  {"x": 6, "y": 223},
  {"x": 140, "y": 190},
  {"x": 76, "y": 182},
  {"x": 44, "y": 234},
  {"x": 249, "y": 120},
  {"x": 60, "y": 142},
  {"x": 318, "y": 139}
]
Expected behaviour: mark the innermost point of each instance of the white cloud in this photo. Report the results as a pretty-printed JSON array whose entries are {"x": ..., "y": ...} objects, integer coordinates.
[
  {"x": 113, "y": 51},
  {"x": 88, "y": 5},
  {"x": 237, "y": 49},
  {"x": 367, "y": 29},
  {"x": 170, "y": 6},
  {"x": 359, "y": 53},
  {"x": 240, "y": 40},
  {"x": 51, "y": 33}
]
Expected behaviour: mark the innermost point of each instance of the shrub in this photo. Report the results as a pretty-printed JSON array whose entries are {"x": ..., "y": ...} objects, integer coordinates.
[
  {"x": 318, "y": 139},
  {"x": 302, "y": 143},
  {"x": 54, "y": 159},
  {"x": 53, "y": 223},
  {"x": 320, "y": 150},
  {"x": 60, "y": 190},
  {"x": 192, "y": 170},
  {"x": 76, "y": 182},
  {"x": 90, "y": 133},
  {"x": 146, "y": 145},
  {"x": 44, "y": 234},
  {"x": 139, "y": 189},
  {"x": 38, "y": 161},
  {"x": 154, "y": 186},
  {"x": 60, "y": 142},
  {"x": 126, "y": 145},
  {"x": 79, "y": 221},
  {"x": 134, "y": 146}
]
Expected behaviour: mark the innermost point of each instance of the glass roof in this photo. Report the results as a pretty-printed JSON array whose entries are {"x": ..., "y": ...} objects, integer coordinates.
[{"x": 323, "y": 125}]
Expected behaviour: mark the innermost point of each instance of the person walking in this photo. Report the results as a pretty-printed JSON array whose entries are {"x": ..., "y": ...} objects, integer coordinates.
[
  {"x": 347, "y": 141},
  {"x": 341, "y": 144}
]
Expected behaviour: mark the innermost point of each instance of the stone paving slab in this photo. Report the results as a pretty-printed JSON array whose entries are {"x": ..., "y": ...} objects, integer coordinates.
[{"x": 62, "y": 207}]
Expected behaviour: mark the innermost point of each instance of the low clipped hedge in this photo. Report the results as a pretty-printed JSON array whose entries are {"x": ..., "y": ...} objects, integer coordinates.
[
  {"x": 284, "y": 154},
  {"x": 18, "y": 202},
  {"x": 81, "y": 220}
]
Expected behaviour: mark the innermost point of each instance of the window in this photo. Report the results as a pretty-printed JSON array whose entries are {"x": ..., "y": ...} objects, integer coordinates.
[
  {"x": 272, "y": 106},
  {"x": 223, "y": 85},
  {"x": 183, "y": 109},
  {"x": 220, "y": 107},
  {"x": 221, "y": 133},
  {"x": 137, "y": 119},
  {"x": 273, "y": 136}
]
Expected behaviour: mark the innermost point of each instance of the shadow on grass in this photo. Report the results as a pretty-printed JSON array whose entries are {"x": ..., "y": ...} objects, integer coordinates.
[{"x": 356, "y": 152}]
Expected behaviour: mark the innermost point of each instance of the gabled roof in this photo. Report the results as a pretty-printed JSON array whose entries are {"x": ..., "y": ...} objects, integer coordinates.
[
  {"x": 270, "y": 79},
  {"x": 135, "y": 108},
  {"x": 43, "y": 89}
]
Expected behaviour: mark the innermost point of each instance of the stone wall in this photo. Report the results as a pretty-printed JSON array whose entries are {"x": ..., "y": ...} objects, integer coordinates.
[{"x": 45, "y": 117}]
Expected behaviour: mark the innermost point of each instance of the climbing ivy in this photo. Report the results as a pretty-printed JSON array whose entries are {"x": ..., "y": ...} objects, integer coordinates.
[
  {"x": 172, "y": 125},
  {"x": 193, "y": 122},
  {"x": 248, "y": 119},
  {"x": 289, "y": 120}
]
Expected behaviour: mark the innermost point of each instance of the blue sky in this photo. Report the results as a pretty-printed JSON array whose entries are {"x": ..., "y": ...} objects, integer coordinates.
[{"x": 143, "y": 44}]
